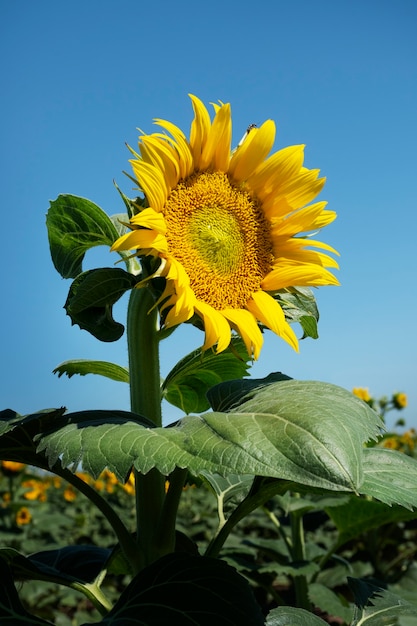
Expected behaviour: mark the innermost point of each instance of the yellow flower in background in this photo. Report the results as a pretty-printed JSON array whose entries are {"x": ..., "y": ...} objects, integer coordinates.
[
  {"x": 362, "y": 393},
  {"x": 37, "y": 489},
  {"x": 231, "y": 228},
  {"x": 12, "y": 466},
  {"x": 23, "y": 516},
  {"x": 70, "y": 494},
  {"x": 400, "y": 400},
  {"x": 129, "y": 485}
]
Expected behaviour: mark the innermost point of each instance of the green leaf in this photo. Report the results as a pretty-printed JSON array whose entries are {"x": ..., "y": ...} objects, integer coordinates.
[
  {"x": 102, "y": 368},
  {"x": 304, "y": 432},
  {"x": 230, "y": 394},
  {"x": 359, "y": 515},
  {"x": 63, "y": 566},
  {"x": 12, "y": 612},
  {"x": 91, "y": 298},
  {"x": 376, "y": 606},
  {"x": 289, "y": 616},
  {"x": 74, "y": 226},
  {"x": 187, "y": 384},
  {"x": 390, "y": 476},
  {"x": 406, "y": 586},
  {"x": 17, "y": 433},
  {"x": 186, "y": 590},
  {"x": 309, "y": 326},
  {"x": 329, "y": 602}
]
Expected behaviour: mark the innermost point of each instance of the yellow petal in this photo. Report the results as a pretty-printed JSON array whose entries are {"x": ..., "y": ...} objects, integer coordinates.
[
  {"x": 253, "y": 151},
  {"x": 299, "y": 275},
  {"x": 299, "y": 221},
  {"x": 216, "y": 152},
  {"x": 148, "y": 218},
  {"x": 182, "y": 308},
  {"x": 185, "y": 157},
  {"x": 152, "y": 182},
  {"x": 141, "y": 238},
  {"x": 248, "y": 329},
  {"x": 278, "y": 168},
  {"x": 216, "y": 326},
  {"x": 300, "y": 190},
  {"x": 160, "y": 153},
  {"x": 200, "y": 128},
  {"x": 268, "y": 311}
]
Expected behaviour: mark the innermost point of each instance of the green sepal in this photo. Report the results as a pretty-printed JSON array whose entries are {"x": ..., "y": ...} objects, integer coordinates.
[
  {"x": 91, "y": 298},
  {"x": 74, "y": 226},
  {"x": 299, "y": 305}
]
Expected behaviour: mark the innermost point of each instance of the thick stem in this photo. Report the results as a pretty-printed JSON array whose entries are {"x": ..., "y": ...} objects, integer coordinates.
[
  {"x": 145, "y": 399},
  {"x": 298, "y": 554}
]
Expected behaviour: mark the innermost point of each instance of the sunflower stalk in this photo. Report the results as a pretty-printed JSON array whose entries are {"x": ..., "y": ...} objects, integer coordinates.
[{"x": 145, "y": 400}]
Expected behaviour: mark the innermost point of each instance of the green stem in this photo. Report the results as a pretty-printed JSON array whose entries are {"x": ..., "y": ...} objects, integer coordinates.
[
  {"x": 298, "y": 554},
  {"x": 259, "y": 494},
  {"x": 166, "y": 531},
  {"x": 145, "y": 399},
  {"x": 95, "y": 595},
  {"x": 127, "y": 545}
]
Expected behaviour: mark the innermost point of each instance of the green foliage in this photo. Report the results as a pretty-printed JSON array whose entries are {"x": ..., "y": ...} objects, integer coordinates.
[
  {"x": 91, "y": 298},
  {"x": 299, "y": 305},
  {"x": 257, "y": 438},
  {"x": 376, "y": 606},
  {"x": 188, "y": 384},
  {"x": 76, "y": 225},
  {"x": 102, "y": 368},
  {"x": 184, "y": 589}
]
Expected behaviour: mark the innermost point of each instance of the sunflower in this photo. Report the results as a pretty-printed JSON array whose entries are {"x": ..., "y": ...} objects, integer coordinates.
[
  {"x": 231, "y": 228},
  {"x": 23, "y": 516}
]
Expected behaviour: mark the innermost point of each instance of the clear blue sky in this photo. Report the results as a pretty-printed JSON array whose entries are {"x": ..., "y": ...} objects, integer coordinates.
[{"x": 340, "y": 76}]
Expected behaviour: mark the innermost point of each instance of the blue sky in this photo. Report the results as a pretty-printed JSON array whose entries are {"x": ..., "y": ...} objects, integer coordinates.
[{"x": 340, "y": 76}]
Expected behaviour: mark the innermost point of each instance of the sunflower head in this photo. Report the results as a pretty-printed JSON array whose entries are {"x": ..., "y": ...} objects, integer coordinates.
[{"x": 230, "y": 230}]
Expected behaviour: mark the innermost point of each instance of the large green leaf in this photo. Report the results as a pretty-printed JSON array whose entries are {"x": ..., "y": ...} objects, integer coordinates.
[
  {"x": 390, "y": 476},
  {"x": 290, "y": 616},
  {"x": 186, "y": 590},
  {"x": 74, "y": 226},
  {"x": 329, "y": 602},
  {"x": 12, "y": 612},
  {"x": 187, "y": 384},
  {"x": 102, "y": 368},
  {"x": 305, "y": 432},
  {"x": 64, "y": 566},
  {"x": 91, "y": 298},
  {"x": 17, "y": 433},
  {"x": 376, "y": 606},
  {"x": 359, "y": 515}
]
